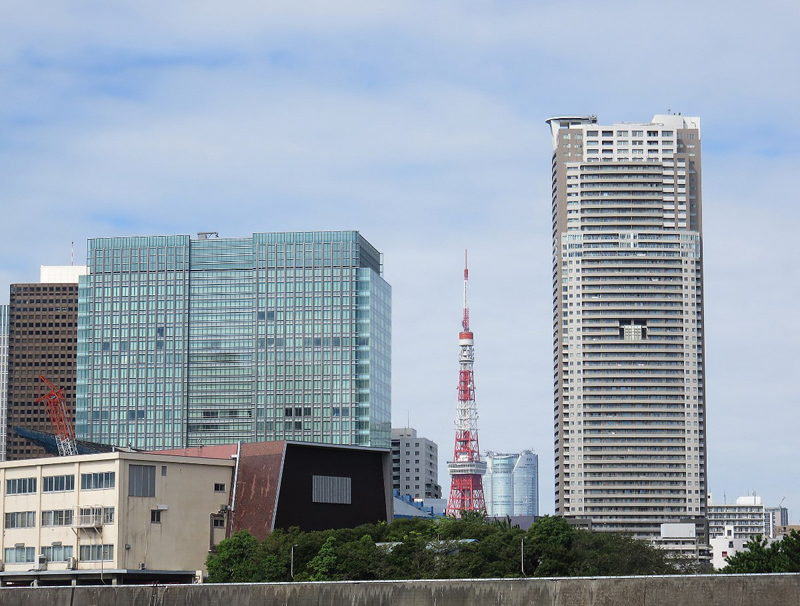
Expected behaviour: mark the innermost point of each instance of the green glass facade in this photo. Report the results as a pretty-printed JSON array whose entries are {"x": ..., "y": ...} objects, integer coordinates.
[{"x": 186, "y": 342}]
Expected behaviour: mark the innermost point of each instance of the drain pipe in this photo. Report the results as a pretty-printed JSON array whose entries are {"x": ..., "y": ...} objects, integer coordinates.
[{"x": 235, "y": 483}]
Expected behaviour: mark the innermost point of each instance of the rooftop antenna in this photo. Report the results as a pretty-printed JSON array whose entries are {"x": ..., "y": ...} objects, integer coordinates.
[{"x": 72, "y": 254}]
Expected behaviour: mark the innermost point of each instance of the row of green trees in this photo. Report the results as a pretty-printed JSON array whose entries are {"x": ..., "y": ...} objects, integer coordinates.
[{"x": 469, "y": 547}]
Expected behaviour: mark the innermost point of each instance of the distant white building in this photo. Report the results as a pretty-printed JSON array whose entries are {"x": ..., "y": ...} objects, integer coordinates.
[
  {"x": 732, "y": 525},
  {"x": 724, "y": 546},
  {"x": 61, "y": 274},
  {"x": 746, "y": 517},
  {"x": 775, "y": 517},
  {"x": 415, "y": 464},
  {"x": 511, "y": 484}
]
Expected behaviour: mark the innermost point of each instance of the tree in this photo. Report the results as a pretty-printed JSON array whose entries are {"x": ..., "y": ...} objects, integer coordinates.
[
  {"x": 323, "y": 566},
  {"x": 608, "y": 553},
  {"x": 411, "y": 559},
  {"x": 549, "y": 547},
  {"x": 360, "y": 560},
  {"x": 762, "y": 556},
  {"x": 468, "y": 547},
  {"x": 790, "y": 547},
  {"x": 234, "y": 560}
]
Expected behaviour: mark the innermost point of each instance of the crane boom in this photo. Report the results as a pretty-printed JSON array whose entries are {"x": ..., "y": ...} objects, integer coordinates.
[{"x": 56, "y": 404}]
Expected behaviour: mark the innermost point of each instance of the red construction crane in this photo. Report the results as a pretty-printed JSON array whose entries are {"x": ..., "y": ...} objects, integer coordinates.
[
  {"x": 466, "y": 469},
  {"x": 57, "y": 409}
]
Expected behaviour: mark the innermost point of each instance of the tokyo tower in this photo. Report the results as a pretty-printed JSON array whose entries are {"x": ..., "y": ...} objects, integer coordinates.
[{"x": 466, "y": 469}]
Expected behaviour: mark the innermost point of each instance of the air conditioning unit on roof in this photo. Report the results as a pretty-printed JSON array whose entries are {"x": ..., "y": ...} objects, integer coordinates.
[{"x": 41, "y": 562}]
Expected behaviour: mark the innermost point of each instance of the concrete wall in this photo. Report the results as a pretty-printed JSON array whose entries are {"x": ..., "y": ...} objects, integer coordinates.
[{"x": 727, "y": 590}]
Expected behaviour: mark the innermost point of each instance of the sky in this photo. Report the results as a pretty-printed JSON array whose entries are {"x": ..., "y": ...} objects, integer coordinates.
[{"x": 422, "y": 125}]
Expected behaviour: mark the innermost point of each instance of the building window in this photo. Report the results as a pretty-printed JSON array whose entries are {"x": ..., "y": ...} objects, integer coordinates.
[
  {"x": 97, "y": 553},
  {"x": 58, "y": 483},
  {"x": 141, "y": 480},
  {"x": 163, "y": 471},
  {"x": 57, "y": 517},
  {"x": 219, "y": 487},
  {"x": 57, "y": 553},
  {"x": 21, "y": 486},
  {"x": 19, "y": 555},
  {"x": 331, "y": 489},
  {"x": 21, "y": 519},
  {"x": 98, "y": 481},
  {"x": 219, "y": 522},
  {"x": 155, "y": 516}
]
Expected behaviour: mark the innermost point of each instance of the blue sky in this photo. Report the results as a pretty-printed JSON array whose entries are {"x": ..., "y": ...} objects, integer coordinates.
[{"x": 422, "y": 125}]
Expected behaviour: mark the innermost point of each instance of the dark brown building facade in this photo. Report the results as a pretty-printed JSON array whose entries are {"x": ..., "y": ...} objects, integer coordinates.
[{"x": 43, "y": 332}]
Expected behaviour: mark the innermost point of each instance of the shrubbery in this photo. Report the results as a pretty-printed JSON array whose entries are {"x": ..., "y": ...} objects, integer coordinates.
[{"x": 444, "y": 548}]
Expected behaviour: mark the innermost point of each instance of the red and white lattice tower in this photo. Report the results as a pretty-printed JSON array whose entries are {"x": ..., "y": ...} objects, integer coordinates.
[{"x": 466, "y": 469}]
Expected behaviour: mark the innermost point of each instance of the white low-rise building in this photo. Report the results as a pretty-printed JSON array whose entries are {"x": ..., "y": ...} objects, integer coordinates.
[
  {"x": 724, "y": 546},
  {"x": 682, "y": 540}
]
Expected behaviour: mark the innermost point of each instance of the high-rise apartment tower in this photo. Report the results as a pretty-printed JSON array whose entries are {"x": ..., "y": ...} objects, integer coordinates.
[
  {"x": 628, "y": 348},
  {"x": 276, "y": 336},
  {"x": 3, "y": 379}
]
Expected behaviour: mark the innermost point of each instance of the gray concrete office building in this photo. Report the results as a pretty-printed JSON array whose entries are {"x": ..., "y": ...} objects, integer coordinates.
[
  {"x": 415, "y": 464},
  {"x": 628, "y": 347}
]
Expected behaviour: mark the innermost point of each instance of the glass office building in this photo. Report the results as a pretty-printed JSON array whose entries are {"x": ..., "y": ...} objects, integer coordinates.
[
  {"x": 511, "y": 484},
  {"x": 188, "y": 342}
]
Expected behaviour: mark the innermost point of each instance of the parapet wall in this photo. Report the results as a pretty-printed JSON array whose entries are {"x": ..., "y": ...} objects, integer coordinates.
[{"x": 711, "y": 590}]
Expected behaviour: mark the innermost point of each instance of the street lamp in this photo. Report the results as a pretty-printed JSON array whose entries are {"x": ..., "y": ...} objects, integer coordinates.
[{"x": 291, "y": 564}]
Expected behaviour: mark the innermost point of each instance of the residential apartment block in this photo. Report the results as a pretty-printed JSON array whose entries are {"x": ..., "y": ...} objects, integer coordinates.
[
  {"x": 415, "y": 465},
  {"x": 628, "y": 347},
  {"x": 746, "y": 517},
  {"x": 195, "y": 341}
]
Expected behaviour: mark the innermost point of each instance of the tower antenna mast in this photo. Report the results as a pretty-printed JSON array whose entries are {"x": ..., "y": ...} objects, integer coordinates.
[{"x": 466, "y": 469}]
